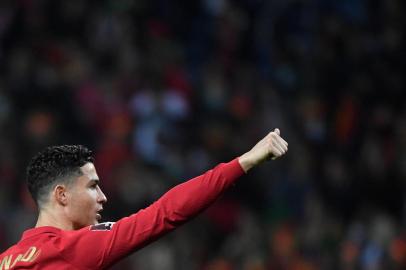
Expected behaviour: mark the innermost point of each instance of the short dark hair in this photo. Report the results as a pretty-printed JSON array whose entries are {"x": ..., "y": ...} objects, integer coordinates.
[{"x": 53, "y": 165}]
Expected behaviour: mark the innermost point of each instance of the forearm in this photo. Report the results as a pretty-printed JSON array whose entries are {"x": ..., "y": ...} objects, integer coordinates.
[
  {"x": 190, "y": 198},
  {"x": 247, "y": 162},
  {"x": 174, "y": 208}
]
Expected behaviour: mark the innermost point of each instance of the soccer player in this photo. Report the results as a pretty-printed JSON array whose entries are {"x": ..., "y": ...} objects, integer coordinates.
[{"x": 64, "y": 183}]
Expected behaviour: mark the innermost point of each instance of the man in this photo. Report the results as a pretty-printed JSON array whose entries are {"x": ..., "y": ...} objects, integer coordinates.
[{"x": 64, "y": 183}]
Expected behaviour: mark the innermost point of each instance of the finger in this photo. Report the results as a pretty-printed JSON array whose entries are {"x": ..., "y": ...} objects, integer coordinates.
[
  {"x": 275, "y": 156},
  {"x": 277, "y": 140},
  {"x": 278, "y": 132},
  {"x": 282, "y": 143},
  {"x": 283, "y": 147},
  {"x": 281, "y": 140},
  {"x": 276, "y": 150},
  {"x": 277, "y": 146}
]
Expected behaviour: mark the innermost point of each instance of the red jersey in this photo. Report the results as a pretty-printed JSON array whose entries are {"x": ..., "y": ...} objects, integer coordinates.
[{"x": 100, "y": 246}]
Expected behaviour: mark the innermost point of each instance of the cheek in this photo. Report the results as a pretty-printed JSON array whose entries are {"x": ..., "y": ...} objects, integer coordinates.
[
  {"x": 83, "y": 201},
  {"x": 89, "y": 197}
]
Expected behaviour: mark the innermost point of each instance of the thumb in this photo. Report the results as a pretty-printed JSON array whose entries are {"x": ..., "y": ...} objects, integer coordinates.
[{"x": 276, "y": 130}]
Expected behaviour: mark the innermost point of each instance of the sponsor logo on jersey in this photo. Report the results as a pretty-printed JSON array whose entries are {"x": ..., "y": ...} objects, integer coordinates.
[{"x": 106, "y": 226}]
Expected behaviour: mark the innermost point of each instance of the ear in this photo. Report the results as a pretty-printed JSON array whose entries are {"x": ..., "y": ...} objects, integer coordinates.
[{"x": 60, "y": 194}]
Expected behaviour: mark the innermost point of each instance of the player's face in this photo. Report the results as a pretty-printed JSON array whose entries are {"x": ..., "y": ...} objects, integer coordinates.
[{"x": 86, "y": 199}]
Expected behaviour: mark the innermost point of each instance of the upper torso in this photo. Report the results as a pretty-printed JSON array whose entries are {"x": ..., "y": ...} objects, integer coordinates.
[
  {"x": 37, "y": 249},
  {"x": 100, "y": 246}
]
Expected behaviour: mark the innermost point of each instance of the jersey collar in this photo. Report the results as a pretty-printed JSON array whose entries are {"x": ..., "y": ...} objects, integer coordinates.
[{"x": 40, "y": 230}]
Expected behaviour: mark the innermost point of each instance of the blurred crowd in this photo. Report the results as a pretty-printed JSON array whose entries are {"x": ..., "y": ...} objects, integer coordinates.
[{"x": 162, "y": 91}]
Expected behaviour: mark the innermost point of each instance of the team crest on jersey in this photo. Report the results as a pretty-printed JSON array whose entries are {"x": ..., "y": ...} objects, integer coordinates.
[{"x": 106, "y": 226}]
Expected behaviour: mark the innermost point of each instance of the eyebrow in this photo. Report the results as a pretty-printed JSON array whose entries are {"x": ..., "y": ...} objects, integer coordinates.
[{"x": 97, "y": 181}]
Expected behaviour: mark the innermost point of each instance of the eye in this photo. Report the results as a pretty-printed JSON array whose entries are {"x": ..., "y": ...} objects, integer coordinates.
[{"x": 93, "y": 186}]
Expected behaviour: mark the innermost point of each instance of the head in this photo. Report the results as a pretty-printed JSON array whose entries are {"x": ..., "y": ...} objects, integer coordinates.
[{"x": 63, "y": 180}]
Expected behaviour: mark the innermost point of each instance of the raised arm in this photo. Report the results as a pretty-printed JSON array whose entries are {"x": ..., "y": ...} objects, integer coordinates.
[{"x": 101, "y": 246}]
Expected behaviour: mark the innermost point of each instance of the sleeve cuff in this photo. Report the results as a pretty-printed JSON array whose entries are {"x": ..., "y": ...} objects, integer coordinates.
[{"x": 233, "y": 169}]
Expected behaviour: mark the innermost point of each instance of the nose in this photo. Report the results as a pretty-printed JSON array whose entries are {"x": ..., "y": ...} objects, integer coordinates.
[{"x": 101, "y": 197}]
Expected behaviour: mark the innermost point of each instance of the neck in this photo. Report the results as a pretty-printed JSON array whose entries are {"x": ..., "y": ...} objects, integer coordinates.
[{"x": 50, "y": 218}]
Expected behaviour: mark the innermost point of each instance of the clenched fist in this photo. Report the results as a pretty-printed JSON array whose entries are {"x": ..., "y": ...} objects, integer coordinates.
[{"x": 272, "y": 147}]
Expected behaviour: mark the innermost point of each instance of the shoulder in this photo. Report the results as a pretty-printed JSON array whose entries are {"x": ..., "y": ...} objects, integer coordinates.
[{"x": 7, "y": 251}]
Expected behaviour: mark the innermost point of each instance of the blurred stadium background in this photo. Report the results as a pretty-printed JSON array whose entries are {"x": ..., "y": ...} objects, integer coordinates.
[{"x": 164, "y": 90}]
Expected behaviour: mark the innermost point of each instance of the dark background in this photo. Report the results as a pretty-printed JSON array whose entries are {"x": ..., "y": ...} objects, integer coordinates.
[{"x": 164, "y": 90}]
